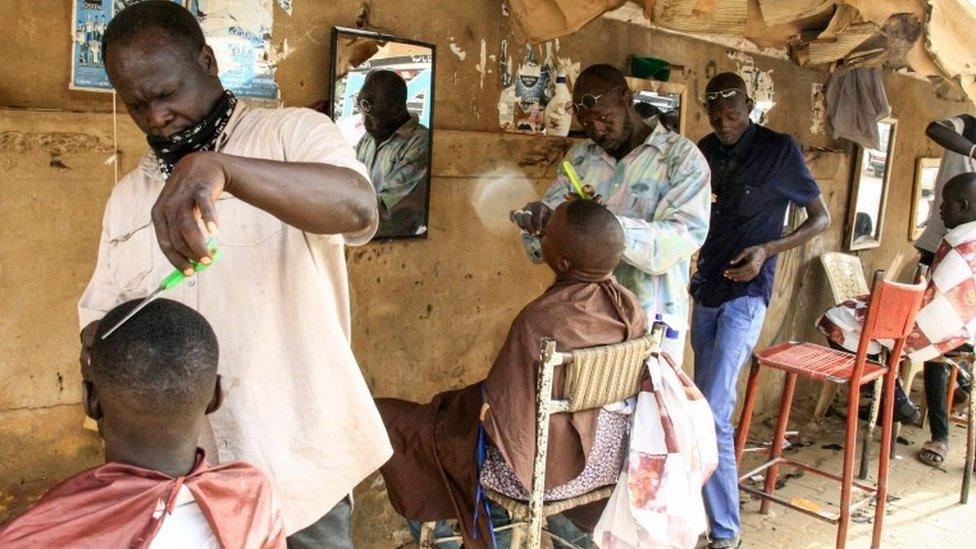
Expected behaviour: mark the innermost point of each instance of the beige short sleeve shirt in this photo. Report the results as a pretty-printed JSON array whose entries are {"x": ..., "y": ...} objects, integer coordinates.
[{"x": 296, "y": 404}]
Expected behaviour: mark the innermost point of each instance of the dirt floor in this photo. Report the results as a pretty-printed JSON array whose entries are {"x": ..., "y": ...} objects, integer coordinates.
[{"x": 923, "y": 510}]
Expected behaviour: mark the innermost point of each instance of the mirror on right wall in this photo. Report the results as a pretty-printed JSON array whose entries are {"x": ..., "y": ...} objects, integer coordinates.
[
  {"x": 869, "y": 194},
  {"x": 664, "y": 99},
  {"x": 923, "y": 195}
]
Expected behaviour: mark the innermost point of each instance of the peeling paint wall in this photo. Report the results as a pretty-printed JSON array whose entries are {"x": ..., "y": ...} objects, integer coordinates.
[{"x": 428, "y": 315}]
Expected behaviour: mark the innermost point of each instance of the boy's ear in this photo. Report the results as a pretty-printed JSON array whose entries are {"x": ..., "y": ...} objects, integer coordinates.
[
  {"x": 89, "y": 398},
  {"x": 218, "y": 397}
]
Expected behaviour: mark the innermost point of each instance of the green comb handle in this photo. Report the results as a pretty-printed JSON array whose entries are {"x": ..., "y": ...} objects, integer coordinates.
[{"x": 177, "y": 276}]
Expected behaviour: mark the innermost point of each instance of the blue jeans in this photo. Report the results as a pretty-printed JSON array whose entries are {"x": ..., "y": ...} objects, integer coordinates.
[{"x": 723, "y": 338}]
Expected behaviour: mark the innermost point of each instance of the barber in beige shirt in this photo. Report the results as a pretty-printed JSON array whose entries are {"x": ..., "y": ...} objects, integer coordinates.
[{"x": 286, "y": 194}]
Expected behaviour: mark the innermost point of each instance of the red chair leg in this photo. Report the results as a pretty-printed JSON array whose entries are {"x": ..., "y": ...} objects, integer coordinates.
[
  {"x": 951, "y": 388},
  {"x": 745, "y": 420},
  {"x": 967, "y": 473},
  {"x": 847, "y": 476},
  {"x": 884, "y": 457},
  {"x": 779, "y": 436}
]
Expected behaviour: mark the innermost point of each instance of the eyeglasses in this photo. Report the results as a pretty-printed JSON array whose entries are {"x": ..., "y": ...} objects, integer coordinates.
[
  {"x": 364, "y": 106},
  {"x": 590, "y": 101},
  {"x": 708, "y": 97}
]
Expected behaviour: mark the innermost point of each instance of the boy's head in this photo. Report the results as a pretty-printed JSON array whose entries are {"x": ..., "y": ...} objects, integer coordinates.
[
  {"x": 583, "y": 240},
  {"x": 156, "y": 375},
  {"x": 959, "y": 200}
]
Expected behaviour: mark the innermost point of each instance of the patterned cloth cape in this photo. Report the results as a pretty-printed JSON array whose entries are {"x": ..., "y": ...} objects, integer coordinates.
[
  {"x": 658, "y": 500},
  {"x": 947, "y": 318},
  {"x": 123, "y": 506}
]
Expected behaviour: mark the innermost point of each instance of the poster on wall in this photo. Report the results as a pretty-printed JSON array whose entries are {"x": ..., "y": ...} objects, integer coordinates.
[
  {"x": 240, "y": 42},
  {"x": 239, "y": 31}
]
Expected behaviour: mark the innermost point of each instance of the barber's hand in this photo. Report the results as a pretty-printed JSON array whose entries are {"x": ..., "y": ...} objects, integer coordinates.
[
  {"x": 532, "y": 218},
  {"x": 747, "y": 264},
  {"x": 188, "y": 196},
  {"x": 590, "y": 193},
  {"x": 87, "y": 339}
]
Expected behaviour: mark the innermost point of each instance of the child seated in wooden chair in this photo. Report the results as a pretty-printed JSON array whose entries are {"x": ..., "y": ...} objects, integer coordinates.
[
  {"x": 946, "y": 321},
  {"x": 433, "y": 474}
]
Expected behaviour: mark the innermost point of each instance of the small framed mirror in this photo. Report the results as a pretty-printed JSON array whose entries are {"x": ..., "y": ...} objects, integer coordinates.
[
  {"x": 923, "y": 195},
  {"x": 382, "y": 99},
  {"x": 870, "y": 189},
  {"x": 666, "y": 99}
]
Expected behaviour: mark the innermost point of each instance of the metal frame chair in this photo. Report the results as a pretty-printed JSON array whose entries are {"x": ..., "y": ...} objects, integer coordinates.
[
  {"x": 890, "y": 315},
  {"x": 595, "y": 377}
]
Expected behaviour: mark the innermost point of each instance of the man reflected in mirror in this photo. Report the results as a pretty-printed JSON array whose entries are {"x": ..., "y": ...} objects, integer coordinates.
[{"x": 395, "y": 150}]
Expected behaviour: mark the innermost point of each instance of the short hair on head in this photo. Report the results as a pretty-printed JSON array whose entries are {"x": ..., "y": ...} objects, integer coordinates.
[
  {"x": 726, "y": 81},
  {"x": 964, "y": 184},
  {"x": 153, "y": 15},
  {"x": 162, "y": 361},
  {"x": 393, "y": 85},
  {"x": 607, "y": 75},
  {"x": 596, "y": 237}
]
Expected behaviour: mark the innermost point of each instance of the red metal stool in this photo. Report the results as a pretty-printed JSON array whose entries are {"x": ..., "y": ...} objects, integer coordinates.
[{"x": 890, "y": 315}]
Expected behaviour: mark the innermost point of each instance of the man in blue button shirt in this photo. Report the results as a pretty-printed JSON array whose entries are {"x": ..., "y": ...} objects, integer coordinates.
[{"x": 756, "y": 173}]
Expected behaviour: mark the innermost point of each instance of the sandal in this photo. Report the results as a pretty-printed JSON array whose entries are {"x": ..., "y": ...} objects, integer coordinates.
[{"x": 933, "y": 453}]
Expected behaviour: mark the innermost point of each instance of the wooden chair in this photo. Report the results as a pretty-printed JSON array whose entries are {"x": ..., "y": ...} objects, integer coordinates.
[
  {"x": 845, "y": 274},
  {"x": 890, "y": 315},
  {"x": 595, "y": 377}
]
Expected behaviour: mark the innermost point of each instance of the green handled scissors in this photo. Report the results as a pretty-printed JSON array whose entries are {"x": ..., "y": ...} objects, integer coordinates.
[{"x": 173, "y": 280}]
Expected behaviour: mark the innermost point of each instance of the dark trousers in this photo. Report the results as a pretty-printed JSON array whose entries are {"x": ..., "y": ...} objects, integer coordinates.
[
  {"x": 936, "y": 395},
  {"x": 333, "y": 531}
]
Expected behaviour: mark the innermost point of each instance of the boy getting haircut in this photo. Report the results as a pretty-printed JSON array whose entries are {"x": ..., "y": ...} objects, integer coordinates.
[{"x": 150, "y": 385}]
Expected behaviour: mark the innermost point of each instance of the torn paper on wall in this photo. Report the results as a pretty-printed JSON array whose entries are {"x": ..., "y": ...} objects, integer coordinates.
[
  {"x": 521, "y": 105},
  {"x": 505, "y": 65},
  {"x": 239, "y": 31},
  {"x": 90, "y": 19},
  {"x": 457, "y": 50},
  {"x": 482, "y": 66},
  {"x": 818, "y": 109},
  {"x": 759, "y": 84}
]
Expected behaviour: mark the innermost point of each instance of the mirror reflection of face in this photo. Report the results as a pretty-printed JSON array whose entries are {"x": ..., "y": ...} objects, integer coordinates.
[{"x": 381, "y": 113}]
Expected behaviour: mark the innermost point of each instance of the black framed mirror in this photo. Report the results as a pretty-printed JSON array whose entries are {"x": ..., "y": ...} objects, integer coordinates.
[{"x": 382, "y": 98}]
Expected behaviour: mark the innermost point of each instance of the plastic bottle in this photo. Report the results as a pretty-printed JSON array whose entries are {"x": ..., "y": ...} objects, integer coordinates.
[{"x": 558, "y": 118}]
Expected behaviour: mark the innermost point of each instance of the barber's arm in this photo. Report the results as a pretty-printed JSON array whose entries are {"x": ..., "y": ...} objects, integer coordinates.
[
  {"x": 307, "y": 192},
  {"x": 944, "y": 133},
  {"x": 798, "y": 186},
  {"x": 656, "y": 245},
  {"x": 748, "y": 263}
]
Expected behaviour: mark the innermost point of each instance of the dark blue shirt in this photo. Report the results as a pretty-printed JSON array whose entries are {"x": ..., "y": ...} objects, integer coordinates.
[{"x": 753, "y": 182}]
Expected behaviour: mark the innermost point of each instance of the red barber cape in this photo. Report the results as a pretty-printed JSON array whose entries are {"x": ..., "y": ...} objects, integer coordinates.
[{"x": 118, "y": 505}]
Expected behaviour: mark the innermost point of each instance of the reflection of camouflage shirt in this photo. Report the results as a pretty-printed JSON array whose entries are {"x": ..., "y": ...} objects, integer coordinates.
[{"x": 398, "y": 168}]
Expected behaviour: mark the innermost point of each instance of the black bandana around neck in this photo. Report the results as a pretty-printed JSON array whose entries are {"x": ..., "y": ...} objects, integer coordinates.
[{"x": 200, "y": 137}]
